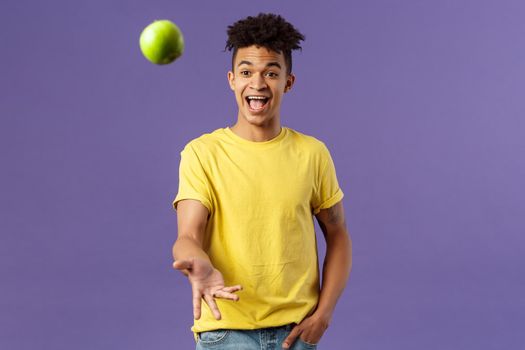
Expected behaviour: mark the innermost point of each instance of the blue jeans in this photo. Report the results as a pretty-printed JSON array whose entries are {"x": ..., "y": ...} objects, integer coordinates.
[{"x": 258, "y": 339}]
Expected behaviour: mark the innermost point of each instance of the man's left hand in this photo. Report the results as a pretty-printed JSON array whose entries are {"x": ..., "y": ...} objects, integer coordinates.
[{"x": 310, "y": 330}]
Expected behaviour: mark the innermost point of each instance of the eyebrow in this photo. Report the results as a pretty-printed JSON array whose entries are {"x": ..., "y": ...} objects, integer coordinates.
[{"x": 270, "y": 64}]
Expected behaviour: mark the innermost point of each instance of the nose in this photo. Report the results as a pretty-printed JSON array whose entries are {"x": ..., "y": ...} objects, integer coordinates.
[{"x": 257, "y": 82}]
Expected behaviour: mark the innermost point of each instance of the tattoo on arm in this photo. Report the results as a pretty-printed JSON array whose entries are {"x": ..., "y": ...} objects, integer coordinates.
[{"x": 335, "y": 215}]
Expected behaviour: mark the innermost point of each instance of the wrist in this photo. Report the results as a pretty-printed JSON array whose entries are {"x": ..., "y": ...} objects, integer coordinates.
[{"x": 323, "y": 315}]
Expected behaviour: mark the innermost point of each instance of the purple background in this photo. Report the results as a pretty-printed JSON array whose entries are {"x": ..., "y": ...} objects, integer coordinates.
[{"x": 420, "y": 102}]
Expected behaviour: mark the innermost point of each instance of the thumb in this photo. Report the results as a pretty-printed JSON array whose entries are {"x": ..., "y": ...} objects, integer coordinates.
[
  {"x": 290, "y": 339},
  {"x": 182, "y": 264}
]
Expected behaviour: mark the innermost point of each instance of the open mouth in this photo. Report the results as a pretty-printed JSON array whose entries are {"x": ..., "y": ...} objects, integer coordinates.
[{"x": 257, "y": 103}]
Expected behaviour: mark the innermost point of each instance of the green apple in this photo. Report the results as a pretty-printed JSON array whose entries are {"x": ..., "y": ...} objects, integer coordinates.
[{"x": 161, "y": 42}]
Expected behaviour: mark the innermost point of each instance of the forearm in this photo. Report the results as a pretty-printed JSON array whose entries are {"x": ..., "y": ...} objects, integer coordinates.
[
  {"x": 186, "y": 248},
  {"x": 336, "y": 271}
]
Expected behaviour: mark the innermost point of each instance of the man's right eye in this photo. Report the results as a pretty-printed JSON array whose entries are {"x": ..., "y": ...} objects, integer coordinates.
[{"x": 245, "y": 73}]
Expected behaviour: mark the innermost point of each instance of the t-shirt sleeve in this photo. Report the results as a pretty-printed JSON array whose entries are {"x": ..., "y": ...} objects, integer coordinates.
[
  {"x": 193, "y": 182},
  {"x": 327, "y": 191}
]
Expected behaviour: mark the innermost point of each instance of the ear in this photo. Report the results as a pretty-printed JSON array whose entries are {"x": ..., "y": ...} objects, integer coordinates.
[
  {"x": 290, "y": 80},
  {"x": 231, "y": 80}
]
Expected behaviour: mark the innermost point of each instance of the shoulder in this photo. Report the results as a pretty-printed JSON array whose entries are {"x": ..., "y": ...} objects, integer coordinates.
[
  {"x": 309, "y": 142},
  {"x": 205, "y": 142}
]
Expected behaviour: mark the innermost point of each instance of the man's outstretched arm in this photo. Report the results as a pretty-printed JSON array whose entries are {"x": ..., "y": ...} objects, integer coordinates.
[
  {"x": 192, "y": 218},
  {"x": 206, "y": 281},
  {"x": 336, "y": 271}
]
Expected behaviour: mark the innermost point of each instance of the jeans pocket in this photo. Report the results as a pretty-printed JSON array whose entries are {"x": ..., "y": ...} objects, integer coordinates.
[{"x": 213, "y": 337}]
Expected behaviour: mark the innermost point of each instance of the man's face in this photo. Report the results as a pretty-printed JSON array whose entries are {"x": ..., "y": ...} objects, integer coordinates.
[{"x": 259, "y": 80}]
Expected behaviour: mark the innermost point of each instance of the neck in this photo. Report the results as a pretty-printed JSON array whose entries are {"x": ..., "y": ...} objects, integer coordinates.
[{"x": 256, "y": 133}]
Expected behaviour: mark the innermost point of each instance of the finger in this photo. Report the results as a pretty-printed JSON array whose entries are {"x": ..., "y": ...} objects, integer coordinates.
[
  {"x": 290, "y": 339},
  {"x": 196, "y": 305},
  {"x": 182, "y": 264},
  {"x": 307, "y": 338},
  {"x": 225, "y": 295},
  {"x": 213, "y": 306},
  {"x": 232, "y": 288}
]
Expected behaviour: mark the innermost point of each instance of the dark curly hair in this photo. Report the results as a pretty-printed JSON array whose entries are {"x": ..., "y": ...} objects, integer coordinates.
[{"x": 266, "y": 30}]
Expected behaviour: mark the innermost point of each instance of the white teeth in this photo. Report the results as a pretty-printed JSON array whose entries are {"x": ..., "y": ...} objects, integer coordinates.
[{"x": 257, "y": 98}]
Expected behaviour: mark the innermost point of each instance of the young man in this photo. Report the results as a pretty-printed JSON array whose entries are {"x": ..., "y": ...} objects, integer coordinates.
[{"x": 245, "y": 206}]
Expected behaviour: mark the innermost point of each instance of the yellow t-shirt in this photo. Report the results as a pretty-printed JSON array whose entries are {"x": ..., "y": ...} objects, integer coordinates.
[{"x": 260, "y": 234}]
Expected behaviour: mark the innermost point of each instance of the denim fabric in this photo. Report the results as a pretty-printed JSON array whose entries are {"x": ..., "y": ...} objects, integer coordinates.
[{"x": 258, "y": 339}]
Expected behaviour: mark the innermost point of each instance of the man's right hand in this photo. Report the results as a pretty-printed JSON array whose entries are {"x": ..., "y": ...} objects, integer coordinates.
[{"x": 206, "y": 282}]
